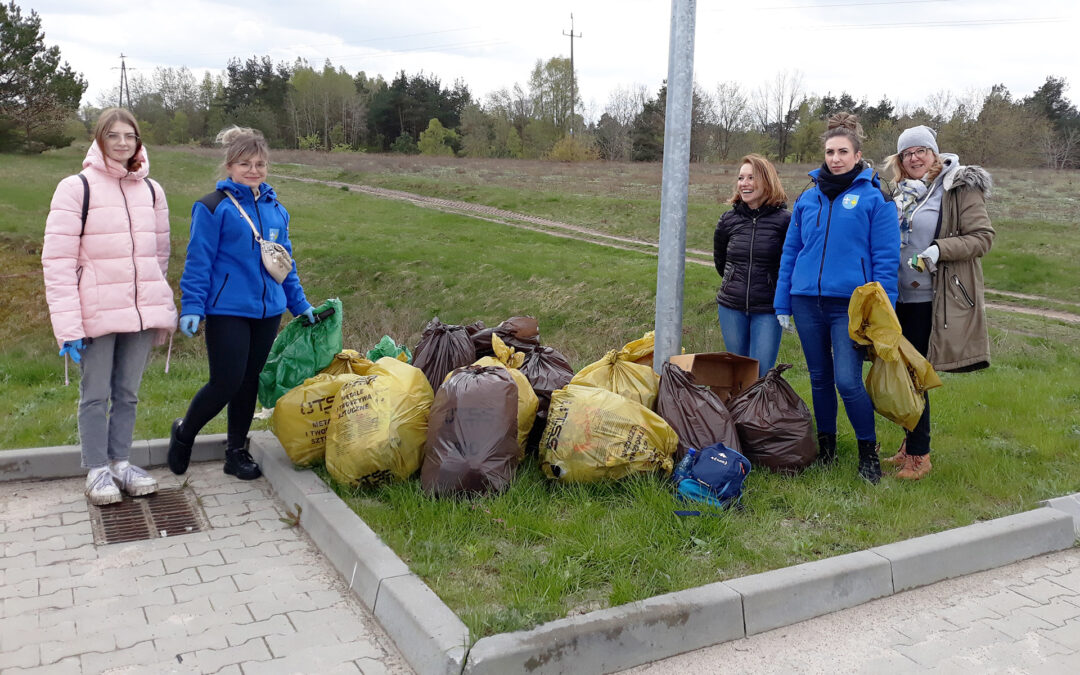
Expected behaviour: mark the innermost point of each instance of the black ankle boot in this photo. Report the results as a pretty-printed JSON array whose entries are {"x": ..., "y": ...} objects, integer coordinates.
[
  {"x": 869, "y": 465},
  {"x": 179, "y": 452},
  {"x": 826, "y": 444},
  {"x": 239, "y": 463}
]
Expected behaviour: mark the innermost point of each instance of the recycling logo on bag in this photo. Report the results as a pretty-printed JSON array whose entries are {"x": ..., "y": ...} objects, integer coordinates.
[{"x": 850, "y": 201}]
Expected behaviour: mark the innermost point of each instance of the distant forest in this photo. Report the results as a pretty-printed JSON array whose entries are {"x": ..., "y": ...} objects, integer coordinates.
[{"x": 299, "y": 106}]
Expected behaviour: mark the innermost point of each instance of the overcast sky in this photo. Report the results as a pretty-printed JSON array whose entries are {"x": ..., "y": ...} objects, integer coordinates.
[{"x": 906, "y": 50}]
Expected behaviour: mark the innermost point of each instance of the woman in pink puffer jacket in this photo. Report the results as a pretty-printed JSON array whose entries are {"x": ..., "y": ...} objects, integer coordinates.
[{"x": 105, "y": 255}]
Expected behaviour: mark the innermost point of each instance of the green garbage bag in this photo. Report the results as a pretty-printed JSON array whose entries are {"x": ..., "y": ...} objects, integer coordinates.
[
  {"x": 300, "y": 351},
  {"x": 387, "y": 347}
]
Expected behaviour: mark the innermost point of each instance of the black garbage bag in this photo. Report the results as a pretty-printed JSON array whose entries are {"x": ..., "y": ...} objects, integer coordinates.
[
  {"x": 442, "y": 348},
  {"x": 695, "y": 412},
  {"x": 472, "y": 433},
  {"x": 774, "y": 424},
  {"x": 520, "y": 332}
]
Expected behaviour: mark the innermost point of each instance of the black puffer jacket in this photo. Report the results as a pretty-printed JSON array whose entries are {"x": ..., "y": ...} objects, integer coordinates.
[{"x": 746, "y": 251}]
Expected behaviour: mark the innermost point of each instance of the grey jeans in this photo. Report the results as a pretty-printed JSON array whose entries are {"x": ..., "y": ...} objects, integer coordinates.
[{"x": 112, "y": 369}]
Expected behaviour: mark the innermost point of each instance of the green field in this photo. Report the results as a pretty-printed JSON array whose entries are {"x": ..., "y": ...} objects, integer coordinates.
[{"x": 1005, "y": 438}]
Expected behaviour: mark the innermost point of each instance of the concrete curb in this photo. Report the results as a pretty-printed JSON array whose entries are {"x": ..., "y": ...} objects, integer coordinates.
[{"x": 434, "y": 640}]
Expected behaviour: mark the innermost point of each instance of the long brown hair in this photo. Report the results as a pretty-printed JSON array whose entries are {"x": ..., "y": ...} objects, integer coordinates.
[
  {"x": 106, "y": 120},
  {"x": 764, "y": 175}
]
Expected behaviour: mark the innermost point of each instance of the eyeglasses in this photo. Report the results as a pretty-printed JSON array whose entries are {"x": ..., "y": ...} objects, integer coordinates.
[
  {"x": 114, "y": 137},
  {"x": 917, "y": 152},
  {"x": 259, "y": 166}
]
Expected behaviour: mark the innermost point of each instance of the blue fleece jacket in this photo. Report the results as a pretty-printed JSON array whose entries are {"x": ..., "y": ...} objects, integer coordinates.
[
  {"x": 834, "y": 247},
  {"x": 223, "y": 272}
]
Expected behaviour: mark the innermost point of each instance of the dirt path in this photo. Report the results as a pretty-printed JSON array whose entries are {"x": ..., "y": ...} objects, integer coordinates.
[{"x": 580, "y": 233}]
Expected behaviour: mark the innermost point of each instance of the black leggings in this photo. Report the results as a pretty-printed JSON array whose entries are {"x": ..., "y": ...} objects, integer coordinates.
[
  {"x": 916, "y": 322},
  {"x": 236, "y": 348}
]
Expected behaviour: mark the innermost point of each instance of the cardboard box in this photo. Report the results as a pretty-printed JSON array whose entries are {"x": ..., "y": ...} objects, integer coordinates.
[{"x": 726, "y": 374}]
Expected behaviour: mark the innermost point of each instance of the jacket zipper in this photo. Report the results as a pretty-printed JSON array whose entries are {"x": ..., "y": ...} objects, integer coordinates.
[
  {"x": 134, "y": 264},
  {"x": 223, "y": 284},
  {"x": 750, "y": 263},
  {"x": 956, "y": 280},
  {"x": 862, "y": 263},
  {"x": 262, "y": 273},
  {"x": 945, "y": 301},
  {"x": 825, "y": 244}
]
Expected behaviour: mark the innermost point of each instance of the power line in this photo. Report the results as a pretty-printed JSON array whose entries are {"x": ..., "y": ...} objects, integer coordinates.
[{"x": 934, "y": 24}]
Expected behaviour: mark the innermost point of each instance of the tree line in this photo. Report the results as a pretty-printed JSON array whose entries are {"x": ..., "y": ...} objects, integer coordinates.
[{"x": 325, "y": 108}]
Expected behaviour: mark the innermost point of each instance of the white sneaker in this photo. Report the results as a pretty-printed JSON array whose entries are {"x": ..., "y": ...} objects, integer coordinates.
[
  {"x": 132, "y": 479},
  {"x": 100, "y": 488}
]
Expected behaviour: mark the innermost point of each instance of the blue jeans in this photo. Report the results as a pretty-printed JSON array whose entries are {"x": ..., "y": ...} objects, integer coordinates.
[
  {"x": 752, "y": 334},
  {"x": 834, "y": 364}
]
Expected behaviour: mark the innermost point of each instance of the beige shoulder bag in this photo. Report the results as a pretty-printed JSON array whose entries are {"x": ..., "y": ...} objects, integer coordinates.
[{"x": 275, "y": 258}]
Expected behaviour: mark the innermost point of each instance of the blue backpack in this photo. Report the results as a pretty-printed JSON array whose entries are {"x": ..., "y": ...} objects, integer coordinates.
[{"x": 716, "y": 477}]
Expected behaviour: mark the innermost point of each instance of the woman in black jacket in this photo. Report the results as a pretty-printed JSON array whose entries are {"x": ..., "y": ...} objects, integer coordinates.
[{"x": 746, "y": 251}]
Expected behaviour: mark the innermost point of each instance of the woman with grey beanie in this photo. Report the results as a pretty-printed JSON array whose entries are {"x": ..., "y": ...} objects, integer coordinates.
[{"x": 944, "y": 232}]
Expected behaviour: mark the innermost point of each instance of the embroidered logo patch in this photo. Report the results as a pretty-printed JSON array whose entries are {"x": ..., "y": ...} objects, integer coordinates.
[
  {"x": 274, "y": 233},
  {"x": 850, "y": 201}
]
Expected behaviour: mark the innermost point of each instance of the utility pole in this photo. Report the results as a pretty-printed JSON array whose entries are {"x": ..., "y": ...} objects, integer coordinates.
[
  {"x": 675, "y": 184},
  {"x": 573, "y": 89},
  {"x": 123, "y": 83}
]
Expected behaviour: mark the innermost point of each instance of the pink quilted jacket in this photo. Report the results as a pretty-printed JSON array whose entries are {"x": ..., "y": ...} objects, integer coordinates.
[{"x": 110, "y": 276}]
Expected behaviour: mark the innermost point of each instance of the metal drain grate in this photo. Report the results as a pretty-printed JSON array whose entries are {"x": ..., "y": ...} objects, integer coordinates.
[{"x": 166, "y": 513}]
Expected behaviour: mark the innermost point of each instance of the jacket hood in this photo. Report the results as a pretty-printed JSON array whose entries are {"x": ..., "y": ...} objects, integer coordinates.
[
  {"x": 957, "y": 175},
  {"x": 96, "y": 159}
]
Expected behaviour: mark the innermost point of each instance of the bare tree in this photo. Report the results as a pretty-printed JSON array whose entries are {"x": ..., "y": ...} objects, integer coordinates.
[
  {"x": 776, "y": 107},
  {"x": 732, "y": 109}
]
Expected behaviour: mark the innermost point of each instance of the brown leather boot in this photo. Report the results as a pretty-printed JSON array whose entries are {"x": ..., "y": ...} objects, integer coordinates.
[
  {"x": 898, "y": 460},
  {"x": 915, "y": 468}
]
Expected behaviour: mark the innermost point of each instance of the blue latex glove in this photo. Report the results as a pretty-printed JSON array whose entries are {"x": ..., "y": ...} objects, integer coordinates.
[
  {"x": 309, "y": 314},
  {"x": 74, "y": 349},
  {"x": 189, "y": 323},
  {"x": 786, "y": 323}
]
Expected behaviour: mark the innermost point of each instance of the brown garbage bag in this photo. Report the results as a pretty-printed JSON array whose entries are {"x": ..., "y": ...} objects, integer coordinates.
[
  {"x": 348, "y": 361},
  {"x": 444, "y": 347},
  {"x": 472, "y": 433},
  {"x": 774, "y": 424},
  {"x": 694, "y": 411},
  {"x": 520, "y": 332},
  {"x": 594, "y": 434},
  {"x": 547, "y": 370},
  {"x": 899, "y": 375},
  {"x": 506, "y": 357}
]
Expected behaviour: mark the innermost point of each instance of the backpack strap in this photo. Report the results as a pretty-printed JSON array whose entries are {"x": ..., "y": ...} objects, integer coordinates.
[
  {"x": 153, "y": 192},
  {"x": 85, "y": 201}
]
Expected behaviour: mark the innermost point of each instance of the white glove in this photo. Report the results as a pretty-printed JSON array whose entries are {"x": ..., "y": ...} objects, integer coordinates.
[
  {"x": 785, "y": 322},
  {"x": 932, "y": 252}
]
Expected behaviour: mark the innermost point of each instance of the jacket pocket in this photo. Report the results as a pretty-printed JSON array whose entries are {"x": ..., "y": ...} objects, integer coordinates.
[
  {"x": 218, "y": 295},
  {"x": 963, "y": 291}
]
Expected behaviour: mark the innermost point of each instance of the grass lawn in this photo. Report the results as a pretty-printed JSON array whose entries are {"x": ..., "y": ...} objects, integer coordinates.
[{"x": 1004, "y": 438}]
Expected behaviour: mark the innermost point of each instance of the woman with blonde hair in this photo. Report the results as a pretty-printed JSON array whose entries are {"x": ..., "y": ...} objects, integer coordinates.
[
  {"x": 843, "y": 234},
  {"x": 747, "y": 244},
  {"x": 944, "y": 232},
  {"x": 105, "y": 255},
  {"x": 226, "y": 286}
]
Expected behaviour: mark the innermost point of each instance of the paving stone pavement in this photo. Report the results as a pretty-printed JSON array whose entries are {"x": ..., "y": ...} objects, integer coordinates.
[
  {"x": 251, "y": 595},
  {"x": 1022, "y": 618}
]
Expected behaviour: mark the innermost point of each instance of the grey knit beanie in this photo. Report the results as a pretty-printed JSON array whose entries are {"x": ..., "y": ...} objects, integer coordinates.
[{"x": 917, "y": 137}]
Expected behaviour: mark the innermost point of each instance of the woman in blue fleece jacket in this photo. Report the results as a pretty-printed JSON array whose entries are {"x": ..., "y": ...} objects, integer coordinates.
[
  {"x": 843, "y": 234},
  {"x": 225, "y": 283}
]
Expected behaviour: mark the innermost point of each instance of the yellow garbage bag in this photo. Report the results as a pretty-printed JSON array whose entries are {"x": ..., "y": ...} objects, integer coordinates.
[
  {"x": 302, "y": 416},
  {"x": 379, "y": 424},
  {"x": 348, "y": 361},
  {"x": 899, "y": 374},
  {"x": 528, "y": 401},
  {"x": 619, "y": 372},
  {"x": 594, "y": 434}
]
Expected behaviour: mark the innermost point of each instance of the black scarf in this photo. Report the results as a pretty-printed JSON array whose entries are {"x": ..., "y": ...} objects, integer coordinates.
[{"x": 832, "y": 185}]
